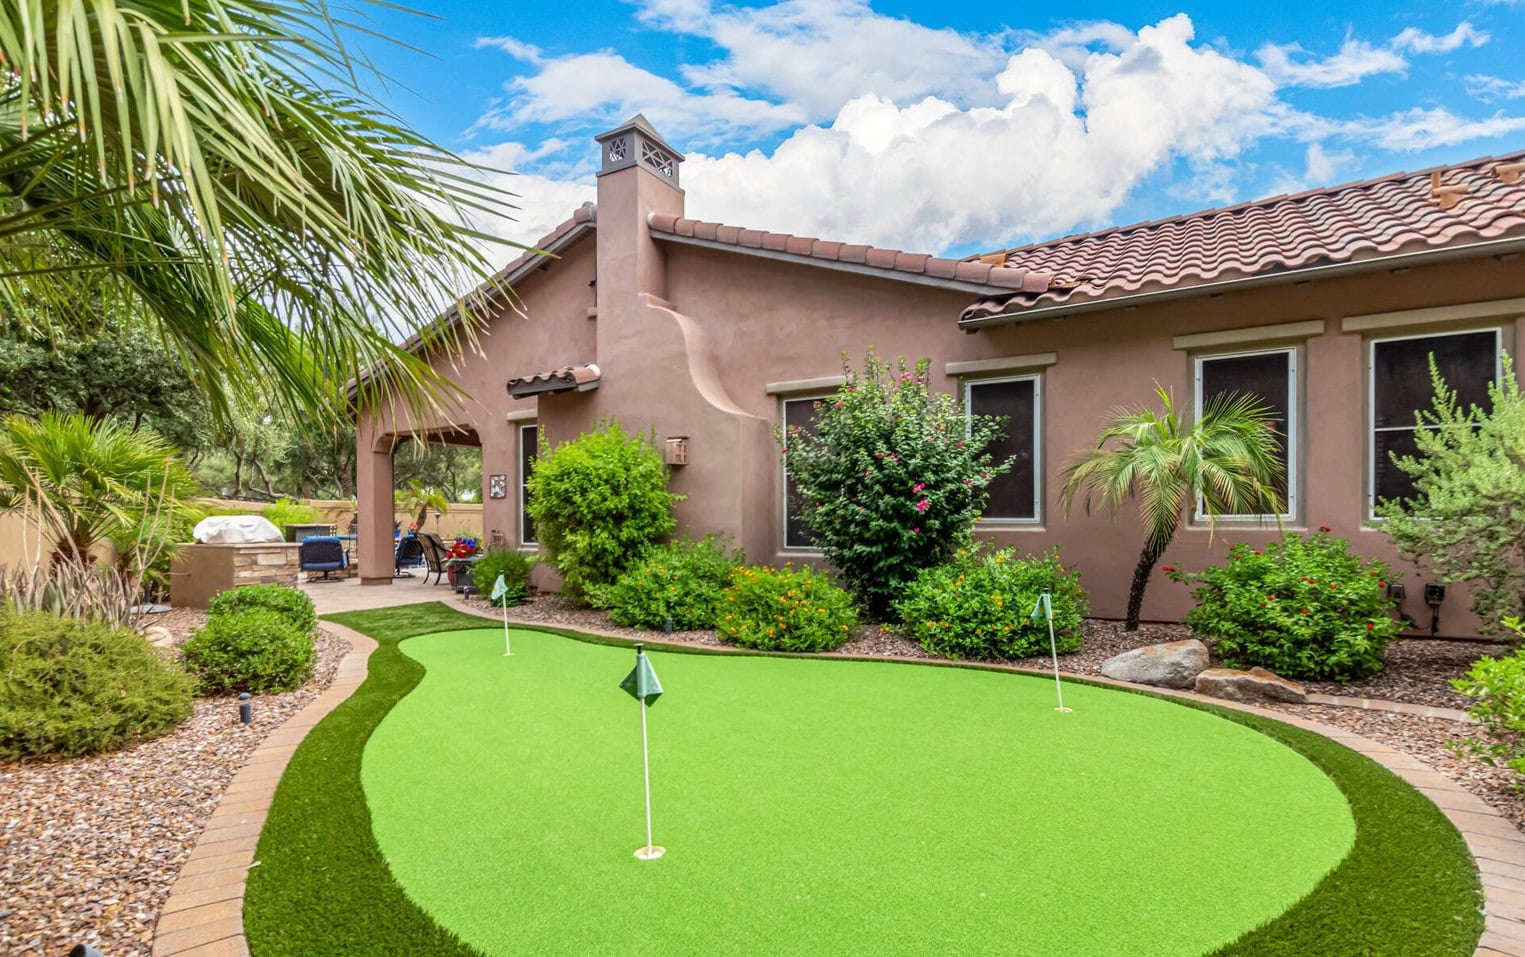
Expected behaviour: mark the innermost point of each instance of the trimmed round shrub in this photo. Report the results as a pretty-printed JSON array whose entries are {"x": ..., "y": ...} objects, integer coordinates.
[
  {"x": 253, "y": 650},
  {"x": 515, "y": 567},
  {"x": 785, "y": 609},
  {"x": 980, "y": 605},
  {"x": 290, "y": 603},
  {"x": 680, "y": 581},
  {"x": 598, "y": 502},
  {"x": 1303, "y": 607},
  {"x": 70, "y": 687}
]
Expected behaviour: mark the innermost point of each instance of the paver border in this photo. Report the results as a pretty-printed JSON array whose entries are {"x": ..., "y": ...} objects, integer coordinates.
[{"x": 204, "y": 913}]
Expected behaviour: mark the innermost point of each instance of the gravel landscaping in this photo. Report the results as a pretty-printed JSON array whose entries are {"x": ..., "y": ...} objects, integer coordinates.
[{"x": 90, "y": 847}]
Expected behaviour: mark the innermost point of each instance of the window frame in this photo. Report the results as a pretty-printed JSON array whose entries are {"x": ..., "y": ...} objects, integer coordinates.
[
  {"x": 783, "y": 473},
  {"x": 1036, "y": 378},
  {"x": 1371, "y": 396},
  {"x": 521, "y": 492},
  {"x": 1293, "y": 426}
]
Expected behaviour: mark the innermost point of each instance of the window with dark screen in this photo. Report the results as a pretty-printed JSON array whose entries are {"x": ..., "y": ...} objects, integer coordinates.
[
  {"x": 800, "y": 414},
  {"x": 1401, "y": 386},
  {"x": 1014, "y": 496},
  {"x": 529, "y": 447},
  {"x": 1270, "y": 377}
]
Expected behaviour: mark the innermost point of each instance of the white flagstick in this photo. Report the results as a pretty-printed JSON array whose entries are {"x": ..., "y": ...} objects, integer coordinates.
[
  {"x": 507, "y": 648},
  {"x": 647, "y": 853},
  {"x": 1053, "y": 648}
]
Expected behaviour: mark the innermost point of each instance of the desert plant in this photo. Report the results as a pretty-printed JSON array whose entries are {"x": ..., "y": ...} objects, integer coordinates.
[
  {"x": 75, "y": 687},
  {"x": 784, "y": 609},
  {"x": 980, "y": 605},
  {"x": 1303, "y": 607},
  {"x": 598, "y": 501},
  {"x": 88, "y": 483},
  {"x": 290, "y": 603},
  {"x": 1467, "y": 516},
  {"x": 252, "y": 650},
  {"x": 70, "y": 590},
  {"x": 515, "y": 567},
  {"x": 894, "y": 477},
  {"x": 674, "y": 585},
  {"x": 1227, "y": 460},
  {"x": 420, "y": 498}
]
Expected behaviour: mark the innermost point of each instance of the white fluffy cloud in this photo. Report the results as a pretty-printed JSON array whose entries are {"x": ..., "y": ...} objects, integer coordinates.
[
  {"x": 1490, "y": 88},
  {"x": 1062, "y": 148},
  {"x": 1418, "y": 41},
  {"x": 1419, "y": 129},
  {"x": 1356, "y": 60}
]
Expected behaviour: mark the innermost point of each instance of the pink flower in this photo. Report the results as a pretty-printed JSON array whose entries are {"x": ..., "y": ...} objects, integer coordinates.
[
  {"x": 918, "y": 486},
  {"x": 916, "y": 530},
  {"x": 923, "y": 505},
  {"x": 1167, "y": 568}
]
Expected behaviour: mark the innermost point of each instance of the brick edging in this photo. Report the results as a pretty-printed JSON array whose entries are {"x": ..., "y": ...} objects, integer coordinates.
[{"x": 204, "y": 913}]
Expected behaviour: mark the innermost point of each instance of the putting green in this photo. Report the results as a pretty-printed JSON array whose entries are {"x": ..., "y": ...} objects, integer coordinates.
[{"x": 830, "y": 807}]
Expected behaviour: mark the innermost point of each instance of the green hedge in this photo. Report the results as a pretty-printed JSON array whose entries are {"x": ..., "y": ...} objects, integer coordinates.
[
  {"x": 679, "y": 582},
  {"x": 291, "y": 603},
  {"x": 253, "y": 650},
  {"x": 784, "y": 609},
  {"x": 70, "y": 687}
]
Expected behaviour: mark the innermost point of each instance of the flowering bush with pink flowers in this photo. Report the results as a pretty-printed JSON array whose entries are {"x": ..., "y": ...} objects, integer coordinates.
[
  {"x": 894, "y": 477},
  {"x": 1304, "y": 607}
]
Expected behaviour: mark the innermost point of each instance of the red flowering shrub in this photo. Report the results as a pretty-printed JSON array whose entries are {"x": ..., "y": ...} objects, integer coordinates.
[{"x": 1302, "y": 607}]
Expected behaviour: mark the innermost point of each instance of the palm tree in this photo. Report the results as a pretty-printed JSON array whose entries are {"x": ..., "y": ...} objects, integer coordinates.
[
  {"x": 211, "y": 164},
  {"x": 89, "y": 483},
  {"x": 1228, "y": 460}
]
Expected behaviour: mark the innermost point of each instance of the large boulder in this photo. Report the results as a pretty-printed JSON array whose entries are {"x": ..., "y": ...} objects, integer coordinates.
[
  {"x": 1253, "y": 686},
  {"x": 1174, "y": 664}
]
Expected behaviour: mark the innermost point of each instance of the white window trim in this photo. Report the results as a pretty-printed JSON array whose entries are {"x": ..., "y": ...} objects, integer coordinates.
[
  {"x": 1371, "y": 399},
  {"x": 519, "y": 485},
  {"x": 1290, "y": 430},
  {"x": 1036, "y": 378},
  {"x": 783, "y": 476}
]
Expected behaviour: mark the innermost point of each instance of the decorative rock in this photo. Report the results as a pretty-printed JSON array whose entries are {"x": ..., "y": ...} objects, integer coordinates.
[
  {"x": 158, "y": 636},
  {"x": 1251, "y": 686},
  {"x": 1174, "y": 664}
]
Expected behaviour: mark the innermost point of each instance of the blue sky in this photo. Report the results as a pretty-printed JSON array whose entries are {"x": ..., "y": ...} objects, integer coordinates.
[{"x": 959, "y": 128}]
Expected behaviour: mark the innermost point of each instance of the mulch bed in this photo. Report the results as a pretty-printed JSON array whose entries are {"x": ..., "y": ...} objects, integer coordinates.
[{"x": 89, "y": 847}]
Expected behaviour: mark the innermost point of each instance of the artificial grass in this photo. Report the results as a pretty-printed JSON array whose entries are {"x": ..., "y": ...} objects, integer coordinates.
[
  {"x": 1407, "y": 887},
  {"x": 865, "y": 807}
]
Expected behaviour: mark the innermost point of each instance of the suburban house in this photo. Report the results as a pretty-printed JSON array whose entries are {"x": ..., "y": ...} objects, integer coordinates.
[{"x": 1327, "y": 304}]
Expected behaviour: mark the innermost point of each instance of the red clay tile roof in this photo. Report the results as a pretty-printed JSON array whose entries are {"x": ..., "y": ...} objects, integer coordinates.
[
  {"x": 1379, "y": 218},
  {"x": 891, "y": 261},
  {"x": 583, "y": 378}
]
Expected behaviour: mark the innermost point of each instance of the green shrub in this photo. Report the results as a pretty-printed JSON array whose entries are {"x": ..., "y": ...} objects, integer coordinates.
[
  {"x": 680, "y": 581},
  {"x": 1497, "y": 687},
  {"x": 291, "y": 603},
  {"x": 253, "y": 650},
  {"x": 286, "y": 511},
  {"x": 70, "y": 687},
  {"x": 1303, "y": 607},
  {"x": 784, "y": 610},
  {"x": 515, "y": 567},
  {"x": 598, "y": 502},
  {"x": 894, "y": 477},
  {"x": 980, "y": 604}
]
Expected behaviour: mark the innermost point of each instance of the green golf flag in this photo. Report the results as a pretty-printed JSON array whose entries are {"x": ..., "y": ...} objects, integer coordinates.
[
  {"x": 642, "y": 684},
  {"x": 499, "y": 588},
  {"x": 1043, "y": 609}
]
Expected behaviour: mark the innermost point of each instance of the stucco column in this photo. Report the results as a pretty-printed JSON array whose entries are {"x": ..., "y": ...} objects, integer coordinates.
[{"x": 374, "y": 503}]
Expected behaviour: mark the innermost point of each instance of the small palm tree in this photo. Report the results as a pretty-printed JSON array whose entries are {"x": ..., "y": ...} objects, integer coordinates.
[
  {"x": 93, "y": 482},
  {"x": 1228, "y": 460}
]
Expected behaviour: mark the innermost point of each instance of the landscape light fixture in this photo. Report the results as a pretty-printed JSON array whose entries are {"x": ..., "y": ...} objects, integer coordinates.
[
  {"x": 1397, "y": 592},
  {"x": 1433, "y": 595},
  {"x": 246, "y": 708},
  {"x": 84, "y": 950}
]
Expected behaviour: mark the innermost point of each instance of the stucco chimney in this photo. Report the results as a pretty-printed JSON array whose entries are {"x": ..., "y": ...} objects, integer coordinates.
[{"x": 635, "y": 143}]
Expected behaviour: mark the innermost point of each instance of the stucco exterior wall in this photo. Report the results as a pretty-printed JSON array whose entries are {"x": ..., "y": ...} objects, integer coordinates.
[{"x": 689, "y": 338}]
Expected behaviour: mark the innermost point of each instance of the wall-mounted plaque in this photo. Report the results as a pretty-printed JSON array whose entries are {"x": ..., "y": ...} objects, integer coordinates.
[{"x": 497, "y": 486}]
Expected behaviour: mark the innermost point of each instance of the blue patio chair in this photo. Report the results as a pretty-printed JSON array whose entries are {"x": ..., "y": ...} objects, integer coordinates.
[{"x": 322, "y": 553}]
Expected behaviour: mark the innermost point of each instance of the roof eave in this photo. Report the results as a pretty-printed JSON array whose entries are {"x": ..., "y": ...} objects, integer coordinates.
[
  {"x": 1423, "y": 257},
  {"x": 860, "y": 269}
]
